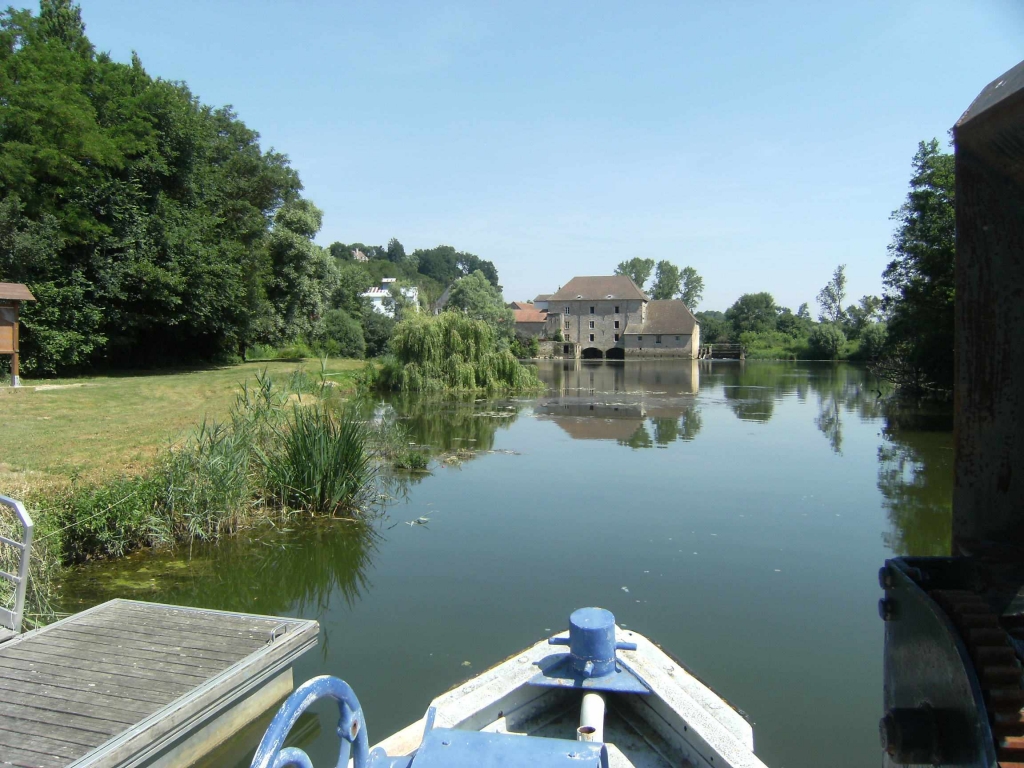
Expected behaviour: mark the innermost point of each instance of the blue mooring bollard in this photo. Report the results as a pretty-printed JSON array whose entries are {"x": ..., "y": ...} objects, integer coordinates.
[{"x": 591, "y": 642}]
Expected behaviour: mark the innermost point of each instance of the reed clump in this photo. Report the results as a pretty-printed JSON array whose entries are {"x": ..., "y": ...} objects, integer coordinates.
[{"x": 448, "y": 353}]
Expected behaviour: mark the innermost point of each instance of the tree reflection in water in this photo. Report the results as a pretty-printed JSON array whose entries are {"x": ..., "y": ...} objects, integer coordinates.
[
  {"x": 297, "y": 568},
  {"x": 447, "y": 425},
  {"x": 915, "y": 477}
]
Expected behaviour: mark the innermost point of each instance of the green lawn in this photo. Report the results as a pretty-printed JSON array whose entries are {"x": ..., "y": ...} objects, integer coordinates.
[{"x": 101, "y": 426}]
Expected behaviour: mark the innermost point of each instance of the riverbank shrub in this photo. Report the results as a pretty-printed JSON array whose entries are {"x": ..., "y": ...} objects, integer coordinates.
[
  {"x": 773, "y": 345},
  {"x": 827, "y": 341},
  {"x": 448, "y": 353}
]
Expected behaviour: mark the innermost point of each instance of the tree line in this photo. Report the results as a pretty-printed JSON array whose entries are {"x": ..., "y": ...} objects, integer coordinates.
[{"x": 155, "y": 229}]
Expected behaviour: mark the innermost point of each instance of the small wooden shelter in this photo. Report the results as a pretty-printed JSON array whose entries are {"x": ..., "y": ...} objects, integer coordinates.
[{"x": 11, "y": 296}]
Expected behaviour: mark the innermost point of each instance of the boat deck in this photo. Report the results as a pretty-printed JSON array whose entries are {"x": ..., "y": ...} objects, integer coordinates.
[{"x": 140, "y": 684}]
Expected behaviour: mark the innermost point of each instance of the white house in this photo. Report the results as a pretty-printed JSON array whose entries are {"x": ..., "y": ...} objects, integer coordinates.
[{"x": 379, "y": 295}]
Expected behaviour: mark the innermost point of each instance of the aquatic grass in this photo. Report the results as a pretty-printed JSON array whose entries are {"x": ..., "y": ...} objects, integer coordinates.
[
  {"x": 320, "y": 462},
  {"x": 208, "y": 484}
]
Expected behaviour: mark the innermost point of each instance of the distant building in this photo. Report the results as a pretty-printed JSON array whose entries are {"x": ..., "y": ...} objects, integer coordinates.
[
  {"x": 541, "y": 301},
  {"x": 530, "y": 321},
  {"x": 610, "y": 317},
  {"x": 380, "y": 294},
  {"x": 359, "y": 255}
]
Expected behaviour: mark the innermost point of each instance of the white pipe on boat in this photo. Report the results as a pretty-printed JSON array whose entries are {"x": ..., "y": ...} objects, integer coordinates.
[{"x": 591, "y": 718}]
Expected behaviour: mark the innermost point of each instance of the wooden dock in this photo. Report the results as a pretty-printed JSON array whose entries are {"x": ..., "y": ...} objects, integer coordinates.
[{"x": 140, "y": 684}]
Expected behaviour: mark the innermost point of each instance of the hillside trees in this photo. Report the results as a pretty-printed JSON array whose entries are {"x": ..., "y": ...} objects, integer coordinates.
[
  {"x": 446, "y": 265},
  {"x": 476, "y": 297}
]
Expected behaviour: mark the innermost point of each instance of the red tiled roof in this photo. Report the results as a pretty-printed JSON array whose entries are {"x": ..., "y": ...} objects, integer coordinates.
[{"x": 530, "y": 315}]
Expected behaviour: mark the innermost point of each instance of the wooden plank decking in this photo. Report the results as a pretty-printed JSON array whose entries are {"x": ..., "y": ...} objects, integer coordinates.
[{"x": 129, "y": 683}]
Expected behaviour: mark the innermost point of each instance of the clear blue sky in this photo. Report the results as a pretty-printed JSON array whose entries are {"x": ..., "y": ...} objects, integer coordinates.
[{"x": 762, "y": 143}]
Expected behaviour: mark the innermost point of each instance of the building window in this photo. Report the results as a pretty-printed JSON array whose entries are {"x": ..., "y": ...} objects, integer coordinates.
[
  {"x": 639, "y": 338},
  {"x": 591, "y": 337},
  {"x": 677, "y": 338},
  {"x": 616, "y": 309},
  {"x": 566, "y": 311},
  {"x": 567, "y": 325},
  {"x": 616, "y": 337},
  {"x": 657, "y": 339},
  {"x": 616, "y": 323},
  {"x": 591, "y": 323},
  {"x": 565, "y": 349},
  {"x": 591, "y": 310}
]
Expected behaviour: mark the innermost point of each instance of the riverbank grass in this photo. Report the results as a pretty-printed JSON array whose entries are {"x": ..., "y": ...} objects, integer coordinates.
[
  {"x": 289, "y": 447},
  {"x": 93, "y": 429}
]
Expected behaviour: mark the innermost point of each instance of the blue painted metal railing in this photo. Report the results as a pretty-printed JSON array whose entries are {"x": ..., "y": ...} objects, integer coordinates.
[
  {"x": 273, "y": 754},
  {"x": 11, "y": 617}
]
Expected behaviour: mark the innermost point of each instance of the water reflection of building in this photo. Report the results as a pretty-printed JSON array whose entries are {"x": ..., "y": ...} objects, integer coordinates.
[{"x": 609, "y": 401}]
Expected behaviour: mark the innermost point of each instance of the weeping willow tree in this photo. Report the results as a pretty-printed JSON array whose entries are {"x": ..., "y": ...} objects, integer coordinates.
[{"x": 449, "y": 353}]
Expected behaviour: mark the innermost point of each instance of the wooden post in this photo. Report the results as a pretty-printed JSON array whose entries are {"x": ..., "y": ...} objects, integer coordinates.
[
  {"x": 11, "y": 296},
  {"x": 15, "y": 381}
]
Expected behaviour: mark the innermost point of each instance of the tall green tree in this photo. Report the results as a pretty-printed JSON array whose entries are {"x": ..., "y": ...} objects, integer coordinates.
[
  {"x": 395, "y": 251},
  {"x": 306, "y": 275},
  {"x": 920, "y": 279},
  {"x": 832, "y": 296},
  {"x": 637, "y": 269},
  {"x": 692, "y": 290},
  {"x": 714, "y": 328},
  {"x": 667, "y": 281},
  {"x": 475, "y": 296},
  {"x": 858, "y": 316},
  {"x": 754, "y": 312}
]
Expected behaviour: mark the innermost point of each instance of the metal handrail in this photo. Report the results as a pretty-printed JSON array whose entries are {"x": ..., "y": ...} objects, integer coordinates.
[
  {"x": 272, "y": 753},
  {"x": 11, "y": 618}
]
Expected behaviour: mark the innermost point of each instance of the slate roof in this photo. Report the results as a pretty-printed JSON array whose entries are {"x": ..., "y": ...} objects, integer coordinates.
[
  {"x": 669, "y": 316},
  {"x": 530, "y": 315},
  {"x": 600, "y": 287},
  {"x": 15, "y": 292},
  {"x": 542, "y": 297}
]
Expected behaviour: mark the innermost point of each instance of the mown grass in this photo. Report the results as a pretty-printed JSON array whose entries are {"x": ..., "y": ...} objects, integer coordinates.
[{"x": 97, "y": 428}]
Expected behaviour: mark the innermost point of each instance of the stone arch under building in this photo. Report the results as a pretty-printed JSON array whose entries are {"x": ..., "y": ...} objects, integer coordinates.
[
  {"x": 615, "y": 353},
  {"x": 592, "y": 353}
]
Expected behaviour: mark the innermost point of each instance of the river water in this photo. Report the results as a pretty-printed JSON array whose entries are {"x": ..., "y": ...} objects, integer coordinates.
[{"x": 736, "y": 513}]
